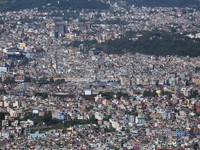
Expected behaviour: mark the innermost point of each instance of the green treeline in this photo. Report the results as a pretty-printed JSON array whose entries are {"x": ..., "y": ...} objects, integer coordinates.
[
  {"x": 164, "y": 3},
  {"x": 150, "y": 94},
  {"x": 152, "y": 43},
  {"x": 111, "y": 95},
  {"x": 62, "y": 4},
  {"x": 71, "y": 122},
  {"x": 10, "y": 5}
]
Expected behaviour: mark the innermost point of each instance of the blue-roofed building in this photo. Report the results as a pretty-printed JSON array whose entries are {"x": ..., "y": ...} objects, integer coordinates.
[
  {"x": 141, "y": 121},
  {"x": 110, "y": 83},
  {"x": 3, "y": 69},
  {"x": 37, "y": 135},
  {"x": 180, "y": 132},
  {"x": 139, "y": 98},
  {"x": 28, "y": 54}
]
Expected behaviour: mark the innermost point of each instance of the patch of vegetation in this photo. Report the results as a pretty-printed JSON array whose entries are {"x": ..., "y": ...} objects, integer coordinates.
[
  {"x": 70, "y": 123},
  {"x": 43, "y": 95},
  {"x": 61, "y": 5},
  {"x": 197, "y": 68},
  {"x": 59, "y": 81},
  {"x": 43, "y": 80},
  {"x": 169, "y": 94},
  {"x": 9, "y": 80},
  {"x": 151, "y": 43},
  {"x": 3, "y": 91},
  {"x": 111, "y": 95},
  {"x": 194, "y": 94},
  {"x": 133, "y": 113},
  {"x": 164, "y": 3},
  {"x": 150, "y": 94}
]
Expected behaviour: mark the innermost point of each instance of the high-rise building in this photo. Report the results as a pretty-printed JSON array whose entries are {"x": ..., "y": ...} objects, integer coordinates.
[
  {"x": 56, "y": 34},
  {"x": 61, "y": 28}
]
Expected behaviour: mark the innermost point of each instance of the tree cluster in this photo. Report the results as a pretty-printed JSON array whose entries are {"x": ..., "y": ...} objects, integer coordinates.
[
  {"x": 197, "y": 68},
  {"x": 61, "y": 5},
  {"x": 194, "y": 94},
  {"x": 9, "y": 80},
  {"x": 43, "y": 95},
  {"x": 43, "y": 80},
  {"x": 152, "y": 43},
  {"x": 59, "y": 81},
  {"x": 3, "y": 91},
  {"x": 70, "y": 123},
  {"x": 111, "y": 95},
  {"x": 29, "y": 79},
  {"x": 164, "y": 3},
  {"x": 150, "y": 94},
  {"x": 47, "y": 118}
]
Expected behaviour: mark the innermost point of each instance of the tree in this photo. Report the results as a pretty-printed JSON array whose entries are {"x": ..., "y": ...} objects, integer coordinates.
[
  {"x": 43, "y": 80},
  {"x": 154, "y": 94},
  {"x": 63, "y": 4},
  {"x": 162, "y": 43},
  {"x": 197, "y": 68},
  {"x": 39, "y": 120},
  {"x": 169, "y": 94},
  {"x": 47, "y": 117},
  {"x": 111, "y": 129},
  {"x": 92, "y": 120},
  {"x": 27, "y": 79},
  {"x": 140, "y": 85},
  {"x": 121, "y": 94},
  {"x": 150, "y": 94},
  {"x": 2, "y": 115},
  {"x": 69, "y": 123},
  {"x": 107, "y": 95},
  {"x": 60, "y": 81},
  {"x": 194, "y": 94},
  {"x": 89, "y": 98},
  {"x": 43, "y": 95},
  {"x": 51, "y": 80},
  {"x": 28, "y": 116},
  {"x": 9, "y": 80},
  {"x": 147, "y": 93},
  {"x": 3, "y": 91}
]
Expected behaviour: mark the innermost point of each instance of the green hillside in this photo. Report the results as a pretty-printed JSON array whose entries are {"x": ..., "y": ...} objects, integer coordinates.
[
  {"x": 151, "y": 43},
  {"x": 11, "y": 5},
  {"x": 165, "y": 3}
]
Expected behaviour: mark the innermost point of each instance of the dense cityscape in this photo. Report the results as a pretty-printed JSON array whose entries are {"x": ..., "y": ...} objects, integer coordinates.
[{"x": 55, "y": 94}]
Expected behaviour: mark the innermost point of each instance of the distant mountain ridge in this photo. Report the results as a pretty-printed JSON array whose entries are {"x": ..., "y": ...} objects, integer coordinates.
[{"x": 13, "y": 5}]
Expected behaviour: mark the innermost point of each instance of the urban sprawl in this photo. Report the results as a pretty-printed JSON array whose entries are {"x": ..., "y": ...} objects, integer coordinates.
[{"x": 58, "y": 97}]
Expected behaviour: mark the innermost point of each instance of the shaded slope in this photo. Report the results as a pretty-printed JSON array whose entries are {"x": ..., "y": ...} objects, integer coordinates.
[{"x": 62, "y": 4}]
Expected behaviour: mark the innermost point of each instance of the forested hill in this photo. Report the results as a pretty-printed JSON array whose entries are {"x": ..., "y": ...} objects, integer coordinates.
[
  {"x": 165, "y": 3},
  {"x": 151, "y": 43},
  {"x": 11, "y": 5}
]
